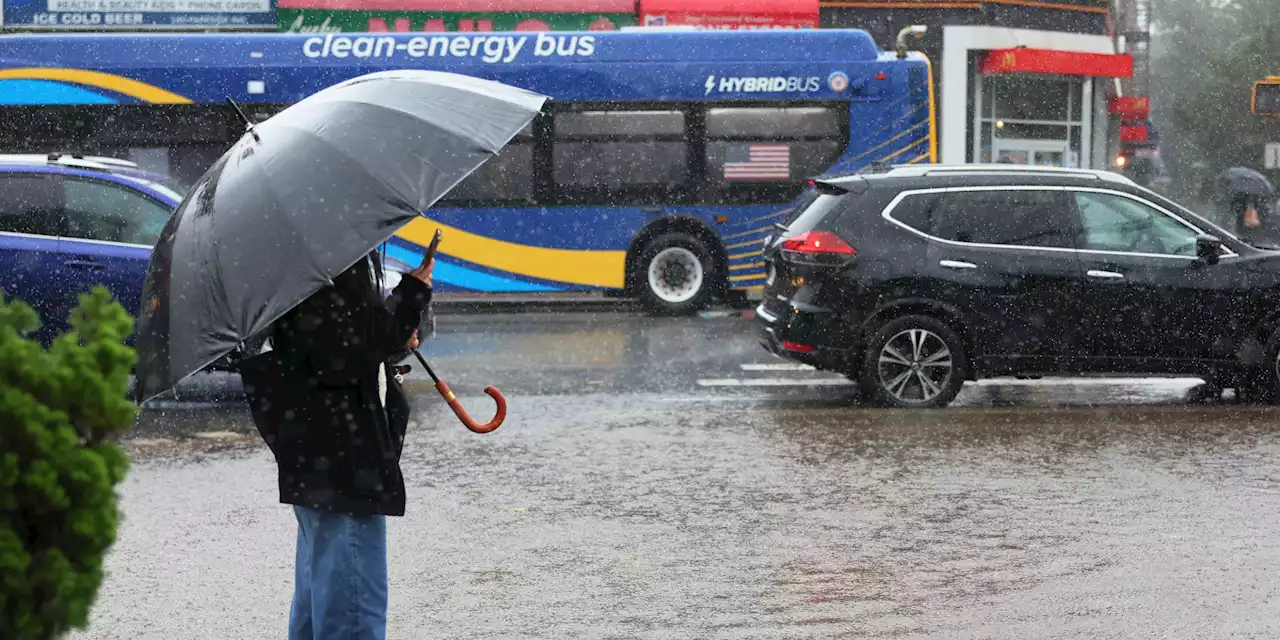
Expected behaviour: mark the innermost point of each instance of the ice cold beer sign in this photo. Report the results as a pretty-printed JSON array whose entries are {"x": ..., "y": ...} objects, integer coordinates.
[
  {"x": 107, "y": 14},
  {"x": 493, "y": 49}
]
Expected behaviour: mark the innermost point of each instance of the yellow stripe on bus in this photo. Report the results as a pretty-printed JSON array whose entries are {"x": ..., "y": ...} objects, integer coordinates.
[
  {"x": 572, "y": 266},
  {"x": 111, "y": 82}
]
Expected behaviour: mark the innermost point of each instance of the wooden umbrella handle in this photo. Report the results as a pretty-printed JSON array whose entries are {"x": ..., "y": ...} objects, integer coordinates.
[{"x": 466, "y": 419}]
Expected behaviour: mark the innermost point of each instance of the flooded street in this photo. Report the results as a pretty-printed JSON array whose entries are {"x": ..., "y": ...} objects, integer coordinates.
[{"x": 669, "y": 479}]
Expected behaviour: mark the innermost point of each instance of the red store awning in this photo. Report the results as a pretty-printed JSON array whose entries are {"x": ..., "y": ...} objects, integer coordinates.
[
  {"x": 1072, "y": 63},
  {"x": 731, "y": 14}
]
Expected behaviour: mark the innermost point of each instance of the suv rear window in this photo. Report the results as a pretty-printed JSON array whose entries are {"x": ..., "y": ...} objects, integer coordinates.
[
  {"x": 814, "y": 213},
  {"x": 916, "y": 211},
  {"x": 1028, "y": 217},
  {"x": 801, "y": 203}
]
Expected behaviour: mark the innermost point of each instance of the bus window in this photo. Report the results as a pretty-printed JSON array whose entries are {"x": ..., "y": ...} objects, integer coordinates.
[
  {"x": 598, "y": 155},
  {"x": 620, "y": 123},
  {"x": 774, "y": 123},
  {"x": 505, "y": 178},
  {"x": 189, "y": 137},
  {"x": 761, "y": 153}
]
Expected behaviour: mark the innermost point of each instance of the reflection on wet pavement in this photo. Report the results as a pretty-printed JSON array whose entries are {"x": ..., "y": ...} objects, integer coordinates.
[
  {"x": 609, "y": 517},
  {"x": 1064, "y": 510}
]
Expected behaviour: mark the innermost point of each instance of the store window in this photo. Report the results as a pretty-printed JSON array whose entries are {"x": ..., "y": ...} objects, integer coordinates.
[{"x": 1031, "y": 119}]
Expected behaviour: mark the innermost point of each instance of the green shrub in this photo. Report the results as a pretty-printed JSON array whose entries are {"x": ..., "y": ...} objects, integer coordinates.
[{"x": 59, "y": 411}]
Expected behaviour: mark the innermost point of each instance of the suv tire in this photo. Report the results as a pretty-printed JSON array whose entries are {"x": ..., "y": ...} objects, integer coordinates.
[
  {"x": 913, "y": 362},
  {"x": 1262, "y": 385},
  {"x": 676, "y": 274}
]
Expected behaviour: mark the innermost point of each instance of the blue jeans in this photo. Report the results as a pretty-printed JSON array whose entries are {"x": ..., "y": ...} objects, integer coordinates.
[{"x": 340, "y": 581}]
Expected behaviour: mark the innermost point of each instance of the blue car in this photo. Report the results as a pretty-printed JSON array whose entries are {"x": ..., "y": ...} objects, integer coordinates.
[{"x": 68, "y": 223}]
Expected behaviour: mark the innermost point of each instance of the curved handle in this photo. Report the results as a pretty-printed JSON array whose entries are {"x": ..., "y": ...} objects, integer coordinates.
[{"x": 466, "y": 419}]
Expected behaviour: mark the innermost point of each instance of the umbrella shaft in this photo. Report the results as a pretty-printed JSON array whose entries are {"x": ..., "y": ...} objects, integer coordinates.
[{"x": 426, "y": 366}]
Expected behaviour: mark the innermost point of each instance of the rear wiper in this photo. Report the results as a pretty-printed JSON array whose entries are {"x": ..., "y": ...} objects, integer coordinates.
[{"x": 780, "y": 227}]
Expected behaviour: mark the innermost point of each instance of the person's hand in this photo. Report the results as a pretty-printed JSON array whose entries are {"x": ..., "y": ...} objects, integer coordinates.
[
  {"x": 423, "y": 272},
  {"x": 413, "y": 339}
]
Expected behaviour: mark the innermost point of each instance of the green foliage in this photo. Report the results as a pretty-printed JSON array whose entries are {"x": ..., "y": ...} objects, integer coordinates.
[{"x": 59, "y": 409}]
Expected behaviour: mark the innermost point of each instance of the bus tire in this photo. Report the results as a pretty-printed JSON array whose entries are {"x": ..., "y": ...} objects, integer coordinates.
[{"x": 676, "y": 274}]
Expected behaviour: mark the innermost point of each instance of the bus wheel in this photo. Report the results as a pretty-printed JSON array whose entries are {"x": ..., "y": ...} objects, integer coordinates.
[{"x": 676, "y": 274}]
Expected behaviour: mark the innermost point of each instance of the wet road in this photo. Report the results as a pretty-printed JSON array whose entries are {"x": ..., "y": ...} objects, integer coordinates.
[{"x": 667, "y": 479}]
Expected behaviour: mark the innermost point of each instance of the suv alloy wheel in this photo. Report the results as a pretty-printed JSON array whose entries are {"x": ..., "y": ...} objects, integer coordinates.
[{"x": 914, "y": 362}]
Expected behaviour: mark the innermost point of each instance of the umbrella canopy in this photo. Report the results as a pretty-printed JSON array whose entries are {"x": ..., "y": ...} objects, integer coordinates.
[
  {"x": 1246, "y": 181},
  {"x": 301, "y": 198}
]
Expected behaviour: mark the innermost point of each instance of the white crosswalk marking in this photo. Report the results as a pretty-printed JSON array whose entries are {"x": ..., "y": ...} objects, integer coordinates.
[
  {"x": 770, "y": 377},
  {"x": 769, "y": 372},
  {"x": 776, "y": 366},
  {"x": 774, "y": 382}
]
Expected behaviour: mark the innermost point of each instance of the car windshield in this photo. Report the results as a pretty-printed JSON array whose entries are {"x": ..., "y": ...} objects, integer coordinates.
[
  {"x": 1211, "y": 226},
  {"x": 176, "y": 191},
  {"x": 177, "y": 187}
]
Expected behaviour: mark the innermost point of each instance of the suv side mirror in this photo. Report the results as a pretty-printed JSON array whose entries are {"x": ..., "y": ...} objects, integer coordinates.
[{"x": 1208, "y": 248}]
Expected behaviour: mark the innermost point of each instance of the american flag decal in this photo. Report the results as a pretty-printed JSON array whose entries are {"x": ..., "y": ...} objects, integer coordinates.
[{"x": 758, "y": 162}]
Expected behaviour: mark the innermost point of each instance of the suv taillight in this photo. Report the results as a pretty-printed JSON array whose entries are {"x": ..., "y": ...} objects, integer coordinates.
[{"x": 817, "y": 247}]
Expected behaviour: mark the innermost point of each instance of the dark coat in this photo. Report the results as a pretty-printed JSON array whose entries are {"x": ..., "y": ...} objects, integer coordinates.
[{"x": 314, "y": 397}]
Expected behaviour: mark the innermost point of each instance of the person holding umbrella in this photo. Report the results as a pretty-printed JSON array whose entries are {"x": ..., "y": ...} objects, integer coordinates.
[
  {"x": 1248, "y": 193},
  {"x": 277, "y": 240},
  {"x": 336, "y": 426}
]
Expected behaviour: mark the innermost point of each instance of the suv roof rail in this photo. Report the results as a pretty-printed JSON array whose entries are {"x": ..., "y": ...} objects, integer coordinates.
[
  {"x": 101, "y": 163},
  {"x": 915, "y": 170}
]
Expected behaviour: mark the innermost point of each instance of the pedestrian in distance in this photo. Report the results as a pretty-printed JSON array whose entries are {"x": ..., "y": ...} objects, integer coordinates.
[{"x": 331, "y": 408}]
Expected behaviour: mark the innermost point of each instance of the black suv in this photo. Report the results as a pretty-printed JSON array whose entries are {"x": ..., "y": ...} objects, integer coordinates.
[{"x": 916, "y": 278}]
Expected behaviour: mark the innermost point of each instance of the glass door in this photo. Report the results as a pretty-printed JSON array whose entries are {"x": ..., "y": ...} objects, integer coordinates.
[{"x": 1051, "y": 153}]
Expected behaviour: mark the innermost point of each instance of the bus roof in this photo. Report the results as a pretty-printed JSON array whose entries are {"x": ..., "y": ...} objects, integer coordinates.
[
  {"x": 282, "y": 68},
  {"x": 197, "y": 50}
]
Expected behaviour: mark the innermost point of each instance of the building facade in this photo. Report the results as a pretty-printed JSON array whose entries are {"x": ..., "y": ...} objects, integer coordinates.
[{"x": 1020, "y": 81}]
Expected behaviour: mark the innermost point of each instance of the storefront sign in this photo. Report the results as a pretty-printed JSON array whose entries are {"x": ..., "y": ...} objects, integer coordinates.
[
  {"x": 130, "y": 15},
  {"x": 730, "y": 14},
  {"x": 1072, "y": 63},
  {"x": 402, "y": 16},
  {"x": 1131, "y": 107},
  {"x": 1133, "y": 133}
]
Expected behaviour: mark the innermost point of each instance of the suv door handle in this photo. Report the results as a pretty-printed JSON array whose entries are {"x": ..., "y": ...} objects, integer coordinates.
[
  {"x": 956, "y": 264},
  {"x": 1104, "y": 275},
  {"x": 85, "y": 264}
]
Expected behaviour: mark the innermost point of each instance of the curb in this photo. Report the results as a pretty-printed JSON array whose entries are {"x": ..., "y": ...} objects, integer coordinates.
[
  {"x": 477, "y": 305},
  {"x": 745, "y": 314},
  {"x": 501, "y": 304}
]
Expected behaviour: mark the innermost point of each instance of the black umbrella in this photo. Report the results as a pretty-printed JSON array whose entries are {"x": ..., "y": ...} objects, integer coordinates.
[
  {"x": 304, "y": 195},
  {"x": 1246, "y": 181}
]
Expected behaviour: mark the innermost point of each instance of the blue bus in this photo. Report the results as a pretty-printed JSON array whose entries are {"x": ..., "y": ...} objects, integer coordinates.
[{"x": 658, "y": 167}]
